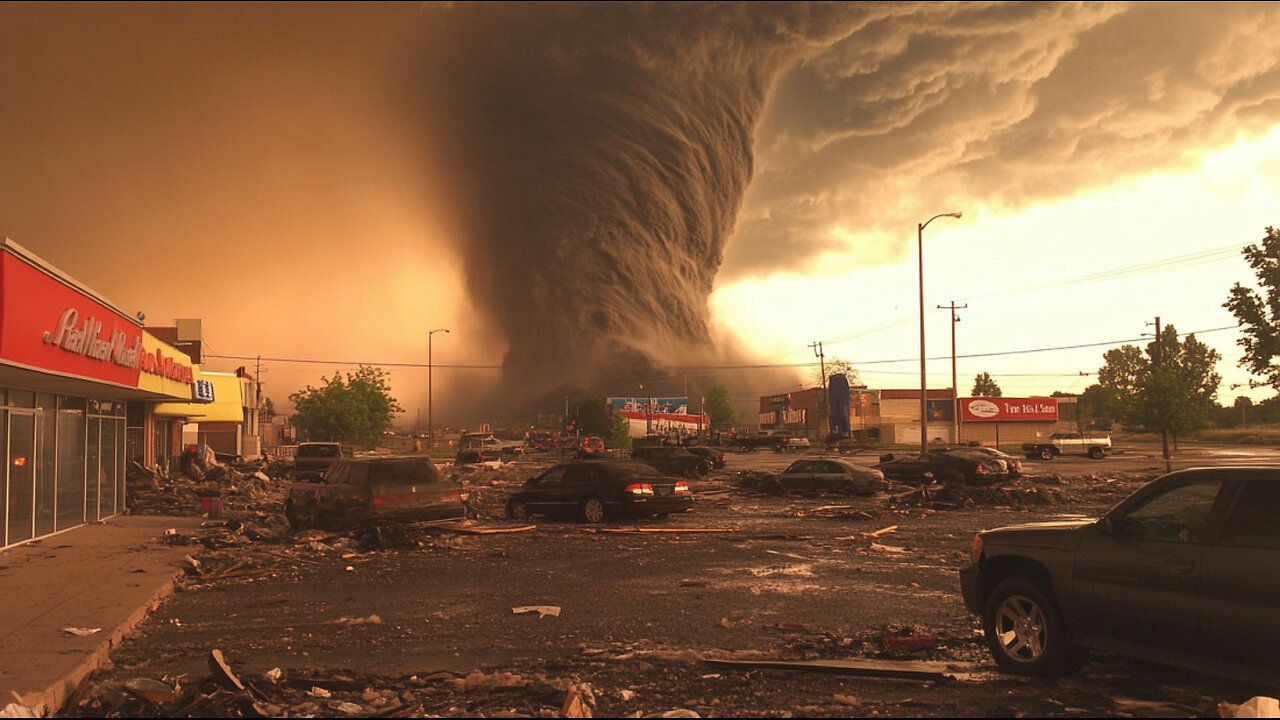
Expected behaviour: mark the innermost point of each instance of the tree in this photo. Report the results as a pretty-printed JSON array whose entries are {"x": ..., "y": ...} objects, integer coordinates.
[
  {"x": 984, "y": 386},
  {"x": 718, "y": 407},
  {"x": 355, "y": 410},
  {"x": 1171, "y": 387},
  {"x": 836, "y": 366},
  {"x": 620, "y": 431},
  {"x": 594, "y": 416},
  {"x": 1259, "y": 313}
]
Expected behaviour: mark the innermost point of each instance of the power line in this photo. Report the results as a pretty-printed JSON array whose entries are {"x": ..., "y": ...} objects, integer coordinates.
[{"x": 676, "y": 370}]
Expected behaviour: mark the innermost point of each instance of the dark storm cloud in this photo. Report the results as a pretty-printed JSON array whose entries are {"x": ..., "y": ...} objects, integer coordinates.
[
  {"x": 961, "y": 104},
  {"x": 600, "y": 154}
]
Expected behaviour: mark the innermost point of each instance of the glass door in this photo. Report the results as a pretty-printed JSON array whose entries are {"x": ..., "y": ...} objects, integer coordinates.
[{"x": 22, "y": 477}]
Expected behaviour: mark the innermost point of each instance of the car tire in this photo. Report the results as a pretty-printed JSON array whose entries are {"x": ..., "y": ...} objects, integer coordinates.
[
  {"x": 1025, "y": 630},
  {"x": 593, "y": 510},
  {"x": 518, "y": 510},
  {"x": 1095, "y": 453},
  {"x": 1046, "y": 454},
  {"x": 300, "y": 517}
]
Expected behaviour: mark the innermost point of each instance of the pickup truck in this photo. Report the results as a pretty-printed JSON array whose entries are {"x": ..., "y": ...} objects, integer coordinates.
[
  {"x": 1069, "y": 443},
  {"x": 776, "y": 440},
  {"x": 313, "y": 458}
]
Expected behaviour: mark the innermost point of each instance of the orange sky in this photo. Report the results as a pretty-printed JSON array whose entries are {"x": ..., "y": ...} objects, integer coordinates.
[{"x": 328, "y": 182}]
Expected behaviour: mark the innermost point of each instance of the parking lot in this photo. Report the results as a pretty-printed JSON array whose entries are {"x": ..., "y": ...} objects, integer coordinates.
[{"x": 698, "y": 613}]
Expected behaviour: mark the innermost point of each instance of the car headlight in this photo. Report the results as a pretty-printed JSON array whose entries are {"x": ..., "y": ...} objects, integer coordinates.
[{"x": 975, "y": 550}]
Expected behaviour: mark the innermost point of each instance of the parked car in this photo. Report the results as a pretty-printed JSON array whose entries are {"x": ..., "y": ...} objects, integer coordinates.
[
  {"x": 1012, "y": 464},
  {"x": 715, "y": 455},
  {"x": 359, "y": 491},
  {"x": 313, "y": 458},
  {"x": 941, "y": 466},
  {"x": 831, "y": 474},
  {"x": 541, "y": 440},
  {"x": 594, "y": 490},
  {"x": 588, "y": 446},
  {"x": 1185, "y": 571},
  {"x": 477, "y": 456},
  {"x": 674, "y": 460},
  {"x": 486, "y": 441}
]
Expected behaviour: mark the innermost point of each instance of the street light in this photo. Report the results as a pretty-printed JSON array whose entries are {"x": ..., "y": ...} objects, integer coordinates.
[
  {"x": 924, "y": 406},
  {"x": 431, "y": 435}
]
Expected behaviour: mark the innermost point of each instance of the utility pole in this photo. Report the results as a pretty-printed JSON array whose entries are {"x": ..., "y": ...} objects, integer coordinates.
[
  {"x": 822, "y": 364},
  {"x": 1164, "y": 432},
  {"x": 955, "y": 390}
]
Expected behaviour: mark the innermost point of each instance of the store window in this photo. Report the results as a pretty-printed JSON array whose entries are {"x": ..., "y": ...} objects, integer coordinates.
[{"x": 71, "y": 462}]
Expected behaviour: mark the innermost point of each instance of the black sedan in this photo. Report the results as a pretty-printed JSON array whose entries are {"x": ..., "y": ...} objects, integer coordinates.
[
  {"x": 1012, "y": 464},
  {"x": 716, "y": 456},
  {"x": 942, "y": 466},
  {"x": 1186, "y": 571},
  {"x": 594, "y": 490},
  {"x": 673, "y": 460},
  {"x": 828, "y": 474}
]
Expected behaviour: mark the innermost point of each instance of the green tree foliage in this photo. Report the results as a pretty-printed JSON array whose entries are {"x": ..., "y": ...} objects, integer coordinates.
[
  {"x": 357, "y": 409},
  {"x": 1099, "y": 401},
  {"x": 594, "y": 416},
  {"x": 1259, "y": 312},
  {"x": 984, "y": 386},
  {"x": 1171, "y": 386},
  {"x": 718, "y": 407},
  {"x": 620, "y": 432}
]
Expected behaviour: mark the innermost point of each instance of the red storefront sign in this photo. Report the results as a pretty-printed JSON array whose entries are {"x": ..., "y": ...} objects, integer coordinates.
[
  {"x": 1002, "y": 409},
  {"x": 45, "y": 324}
]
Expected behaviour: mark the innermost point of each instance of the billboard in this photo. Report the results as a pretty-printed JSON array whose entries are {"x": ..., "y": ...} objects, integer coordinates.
[{"x": 1002, "y": 409}]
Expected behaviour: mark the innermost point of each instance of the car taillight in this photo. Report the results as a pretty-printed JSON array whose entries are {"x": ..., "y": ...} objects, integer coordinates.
[
  {"x": 639, "y": 489},
  {"x": 378, "y": 501},
  {"x": 682, "y": 486},
  {"x": 980, "y": 470}
]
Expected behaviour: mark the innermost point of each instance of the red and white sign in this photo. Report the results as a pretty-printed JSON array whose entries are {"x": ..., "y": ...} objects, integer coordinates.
[
  {"x": 48, "y": 325},
  {"x": 1003, "y": 409}
]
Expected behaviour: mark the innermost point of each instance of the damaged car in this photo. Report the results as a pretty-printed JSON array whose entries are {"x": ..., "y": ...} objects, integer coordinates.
[
  {"x": 596, "y": 490},
  {"x": 830, "y": 475},
  {"x": 944, "y": 466},
  {"x": 374, "y": 490}
]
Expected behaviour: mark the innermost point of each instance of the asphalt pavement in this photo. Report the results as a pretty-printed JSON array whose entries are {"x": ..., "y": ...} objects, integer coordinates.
[{"x": 70, "y": 598}]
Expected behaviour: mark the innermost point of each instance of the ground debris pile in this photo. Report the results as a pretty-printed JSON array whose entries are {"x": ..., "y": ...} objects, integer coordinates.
[
  {"x": 310, "y": 693},
  {"x": 489, "y": 486},
  {"x": 1028, "y": 492},
  {"x": 208, "y": 487}
]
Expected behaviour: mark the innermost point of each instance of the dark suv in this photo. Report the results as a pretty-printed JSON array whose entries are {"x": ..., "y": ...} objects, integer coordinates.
[
  {"x": 1186, "y": 571},
  {"x": 362, "y": 491},
  {"x": 673, "y": 460}
]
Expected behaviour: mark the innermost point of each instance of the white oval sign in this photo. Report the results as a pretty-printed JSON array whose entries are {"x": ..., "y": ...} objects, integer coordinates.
[{"x": 983, "y": 408}]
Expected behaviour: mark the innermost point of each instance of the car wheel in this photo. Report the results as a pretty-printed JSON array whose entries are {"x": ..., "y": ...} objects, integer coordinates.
[
  {"x": 1046, "y": 454},
  {"x": 1095, "y": 453},
  {"x": 301, "y": 517},
  {"x": 518, "y": 510},
  {"x": 593, "y": 510},
  {"x": 1025, "y": 631}
]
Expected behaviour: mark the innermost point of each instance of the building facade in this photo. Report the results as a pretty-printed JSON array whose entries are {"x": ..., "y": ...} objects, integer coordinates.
[{"x": 78, "y": 379}]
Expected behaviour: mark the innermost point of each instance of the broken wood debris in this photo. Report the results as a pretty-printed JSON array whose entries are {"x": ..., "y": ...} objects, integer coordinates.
[{"x": 865, "y": 667}]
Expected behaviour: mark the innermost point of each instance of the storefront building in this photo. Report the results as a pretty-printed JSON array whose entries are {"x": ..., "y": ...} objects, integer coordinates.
[{"x": 73, "y": 370}]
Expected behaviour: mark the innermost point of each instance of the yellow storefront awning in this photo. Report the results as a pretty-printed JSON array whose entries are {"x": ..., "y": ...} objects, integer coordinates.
[{"x": 227, "y": 405}]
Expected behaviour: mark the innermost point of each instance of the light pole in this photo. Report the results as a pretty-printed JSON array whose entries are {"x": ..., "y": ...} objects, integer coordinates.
[
  {"x": 924, "y": 406},
  {"x": 431, "y": 434}
]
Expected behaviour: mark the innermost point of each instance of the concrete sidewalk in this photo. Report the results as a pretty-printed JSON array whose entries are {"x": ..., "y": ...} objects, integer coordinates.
[{"x": 106, "y": 575}]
